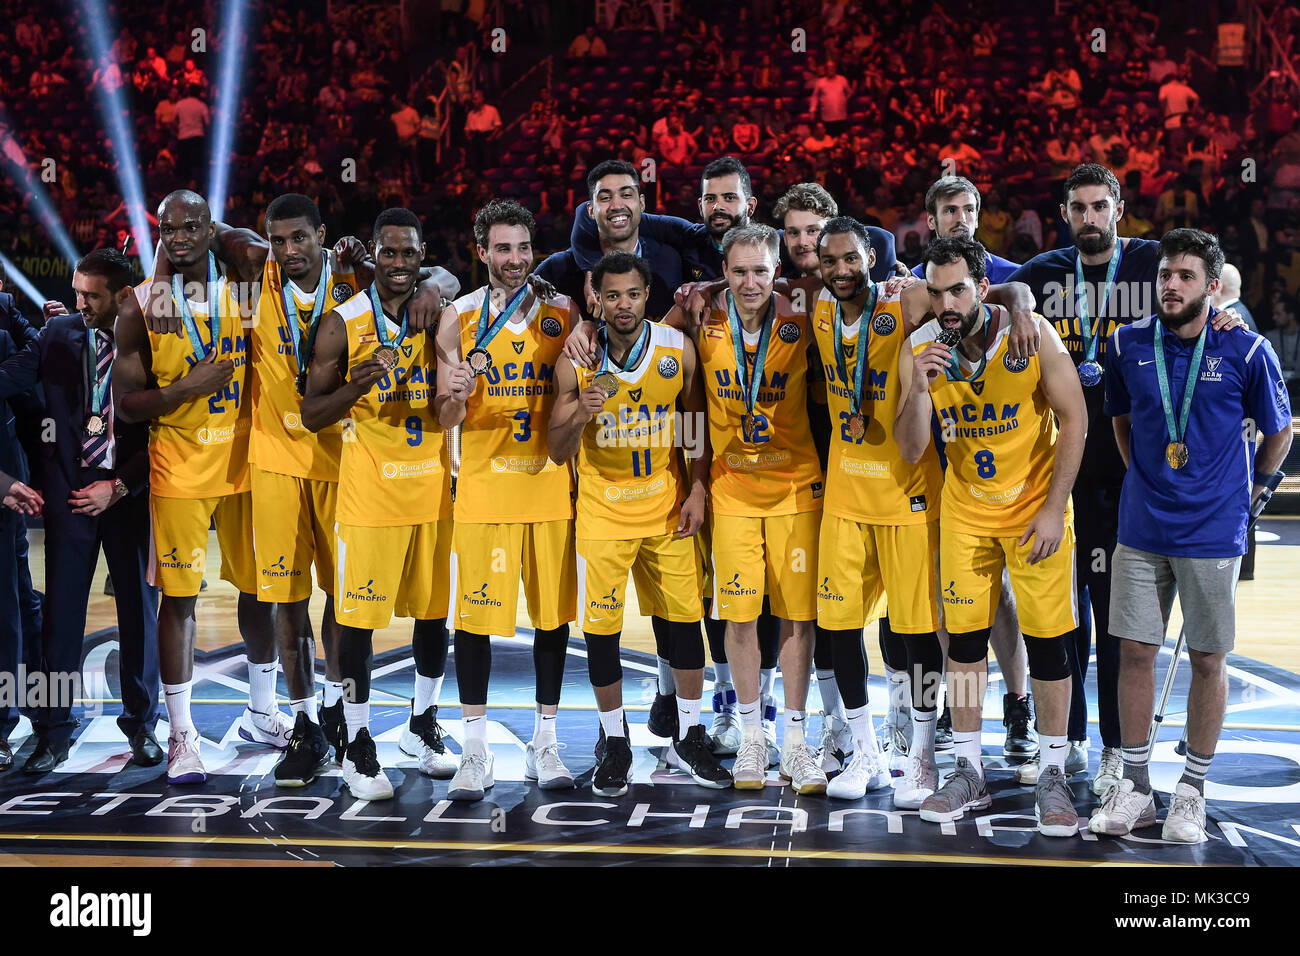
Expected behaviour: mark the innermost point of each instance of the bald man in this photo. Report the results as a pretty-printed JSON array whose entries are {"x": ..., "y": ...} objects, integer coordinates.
[{"x": 1229, "y": 296}]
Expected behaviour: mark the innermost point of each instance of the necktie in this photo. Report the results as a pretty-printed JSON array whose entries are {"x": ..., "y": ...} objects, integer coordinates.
[{"x": 96, "y": 452}]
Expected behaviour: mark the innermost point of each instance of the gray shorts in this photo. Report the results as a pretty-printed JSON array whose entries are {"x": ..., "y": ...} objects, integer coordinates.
[{"x": 1142, "y": 594}]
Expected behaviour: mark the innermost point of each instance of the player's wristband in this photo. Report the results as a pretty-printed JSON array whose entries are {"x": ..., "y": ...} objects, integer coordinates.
[{"x": 1269, "y": 481}]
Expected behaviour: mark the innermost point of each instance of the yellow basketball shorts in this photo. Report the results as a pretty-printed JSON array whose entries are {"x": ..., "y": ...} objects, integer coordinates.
[
  {"x": 866, "y": 568},
  {"x": 387, "y": 572},
  {"x": 180, "y": 542},
  {"x": 293, "y": 525},
  {"x": 777, "y": 553},
  {"x": 490, "y": 560},
  {"x": 970, "y": 582},
  {"x": 703, "y": 543},
  {"x": 663, "y": 568}
]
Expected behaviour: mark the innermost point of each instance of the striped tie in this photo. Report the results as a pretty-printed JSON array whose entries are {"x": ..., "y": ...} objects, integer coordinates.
[{"x": 95, "y": 451}]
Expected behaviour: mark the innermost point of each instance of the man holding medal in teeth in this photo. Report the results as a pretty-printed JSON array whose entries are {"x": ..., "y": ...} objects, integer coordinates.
[
  {"x": 394, "y": 496},
  {"x": 497, "y": 352},
  {"x": 1014, "y": 433},
  {"x": 1189, "y": 402}
]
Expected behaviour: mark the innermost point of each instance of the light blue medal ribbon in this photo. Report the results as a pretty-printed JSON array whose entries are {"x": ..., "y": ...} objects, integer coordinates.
[
  {"x": 98, "y": 390},
  {"x": 484, "y": 334},
  {"x": 1089, "y": 368},
  {"x": 381, "y": 325},
  {"x": 301, "y": 355},
  {"x": 953, "y": 369},
  {"x": 187, "y": 315},
  {"x": 858, "y": 384},
  {"x": 634, "y": 354},
  {"x": 1176, "y": 452},
  {"x": 749, "y": 382}
]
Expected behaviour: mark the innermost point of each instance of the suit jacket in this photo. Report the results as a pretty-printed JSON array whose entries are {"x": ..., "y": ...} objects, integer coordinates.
[
  {"x": 57, "y": 360},
  {"x": 16, "y": 333}
]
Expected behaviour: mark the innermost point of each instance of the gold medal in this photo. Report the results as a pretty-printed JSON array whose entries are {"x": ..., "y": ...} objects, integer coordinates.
[
  {"x": 857, "y": 426},
  {"x": 607, "y": 382},
  {"x": 386, "y": 356},
  {"x": 1176, "y": 454}
]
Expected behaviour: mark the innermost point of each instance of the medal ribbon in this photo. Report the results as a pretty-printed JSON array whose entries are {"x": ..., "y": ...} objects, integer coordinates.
[
  {"x": 1090, "y": 338},
  {"x": 381, "y": 325},
  {"x": 633, "y": 356},
  {"x": 302, "y": 357},
  {"x": 749, "y": 381},
  {"x": 187, "y": 316},
  {"x": 1177, "y": 430},
  {"x": 484, "y": 334},
  {"x": 859, "y": 381},
  {"x": 98, "y": 389},
  {"x": 953, "y": 371}
]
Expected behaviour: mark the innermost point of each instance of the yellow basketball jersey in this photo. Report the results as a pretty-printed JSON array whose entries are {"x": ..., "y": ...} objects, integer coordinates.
[
  {"x": 629, "y": 483},
  {"x": 774, "y": 470},
  {"x": 393, "y": 468},
  {"x": 506, "y": 474},
  {"x": 200, "y": 449},
  {"x": 1001, "y": 440},
  {"x": 868, "y": 479},
  {"x": 279, "y": 442}
]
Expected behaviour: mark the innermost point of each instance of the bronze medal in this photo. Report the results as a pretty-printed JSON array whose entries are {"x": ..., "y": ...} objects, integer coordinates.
[
  {"x": 1176, "y": 454},
  {"x": 386, "y": 356},
  {"x": 607, "y": 382},
  {"x": 480, "y": 360},
  {"x": 857, "y": 426}
]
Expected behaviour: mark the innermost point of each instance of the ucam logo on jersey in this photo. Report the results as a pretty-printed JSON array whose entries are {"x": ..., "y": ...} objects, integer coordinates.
[{"x": 1211, "y": 372}]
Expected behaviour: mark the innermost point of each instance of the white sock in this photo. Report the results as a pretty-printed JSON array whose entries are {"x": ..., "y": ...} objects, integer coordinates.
[
  {"x": 177, "y": 698},
  {"x": 1052, "y": 751},
  {"x": 766, "y": 681},
  {"x": 305, "y": 706},
  {"x": 830, "y": 692},
  {"x": 544, "y": 729},
  {"x": 261, "y": 687},
  {"x": 356, "y": 716},
  {"x": 666, "y": 683},
  {"x": 968, "y": 745},
  {"x": 751, "y": 714},
  {"x": 427, "y": 691},
  {"x": 476, "y": 731},
  {"x": 611, "y": 721},
  {"x": 688, "y": 714},
  {"x": 923, "y": 726},
  {"x": 860, "y": 725},
  {"x": 899, "y": 691},
  {"x": 333, "y": 692},
  {"x": 793, "y": 726},
  {"x": 722, "y": 673}
]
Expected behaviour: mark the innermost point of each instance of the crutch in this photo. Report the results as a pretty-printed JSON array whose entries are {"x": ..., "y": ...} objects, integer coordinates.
[{"x": 1181, "y": 748}]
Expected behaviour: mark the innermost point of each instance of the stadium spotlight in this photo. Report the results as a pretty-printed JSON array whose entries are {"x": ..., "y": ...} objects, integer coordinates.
[
  {"x": 15, "y": 161},
  {"x": 226, "y": 105},
  {"x": 17, "y": 278}
]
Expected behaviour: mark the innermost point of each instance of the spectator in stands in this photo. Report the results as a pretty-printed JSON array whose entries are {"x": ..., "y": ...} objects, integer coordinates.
[
  {"x": 1285, "y": 339},
  {"x": 745, "y": 134},
  {"x": 964, "y": 157},
  {"x": 1229, "y": 296},
  {"x": 1161, "y": 68},
  {"x": 676, "y": 145},
  {"x": 164, "y": 113},
  {"x": 192, "y": 121},
  {"x": 1062, "y": 86},
  {"x": 830, "y": 99},
  {"x": 1177, "y": 100},
  {"x": 482, "y": 124},
  {"x": 819, "y": 140},
  {"x": 587, "y": 46}
]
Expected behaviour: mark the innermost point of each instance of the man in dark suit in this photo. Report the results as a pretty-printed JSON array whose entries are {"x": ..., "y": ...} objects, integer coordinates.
[
  {"x": 94, "y": 478},
  {"x": 20, "y": 607}
]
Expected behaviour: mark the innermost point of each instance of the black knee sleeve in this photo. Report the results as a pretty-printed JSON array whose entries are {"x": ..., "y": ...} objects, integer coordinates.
[
  {"x": 429, "y": 644},
  {"x": 1048, "y": 657},
  {"x": 924, "y": 669},
  {"x": 823, "y": 649},
  {"x": 549, "y": 650},
  {"x": 473, "y": 667},
  {"x": 850, "y": 661},
  {"x": 769, "y": 638},
  {"x": 969, "y": 648},
  {"x": 687, "y": 646},
  {"x": 893, "y": 647},
  {"x": 716, "y": 631},
  {"x": 663, "y": 637},
  {"x": 603, "y": 664},
  {"x": 354, "y": 664}
]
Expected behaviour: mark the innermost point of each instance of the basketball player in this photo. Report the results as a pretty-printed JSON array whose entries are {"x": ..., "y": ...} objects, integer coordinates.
[
  {"x": 497, "y": 352},
  {"x": 1089, "y": 289},
  {"x": 1006, "y": 503},
  {"x": 766, "y": 487},
  {"x": 634, "y": 512},
  {"x": 394, "y": 498},
  {"x": 193, "y": 388},
  {"x": 294, "y": 470},
  {"x": 952, "y": 208}
]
